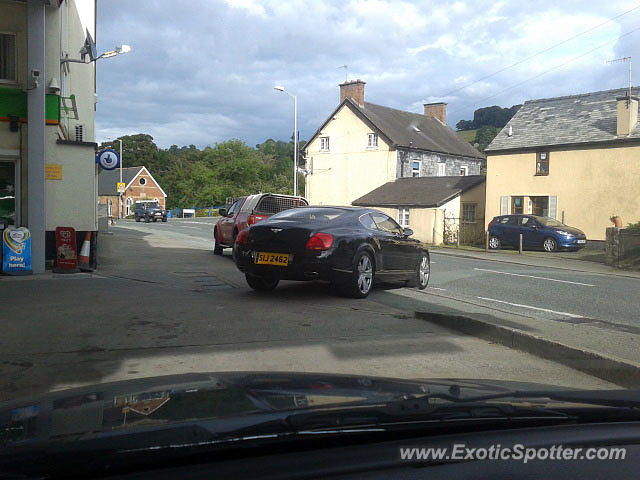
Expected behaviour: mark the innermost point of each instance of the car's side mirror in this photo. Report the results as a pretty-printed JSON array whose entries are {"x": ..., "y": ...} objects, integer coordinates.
[
  {"x": 407, "y": 232},
  {"x": 222, "y": 212}
]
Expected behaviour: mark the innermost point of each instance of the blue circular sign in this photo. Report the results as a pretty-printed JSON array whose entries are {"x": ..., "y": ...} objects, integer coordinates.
[{"x": 108, "y": 159}]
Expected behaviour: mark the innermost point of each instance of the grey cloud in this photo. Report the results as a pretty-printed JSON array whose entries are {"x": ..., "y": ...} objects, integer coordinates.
[{"x": 203, "y": 72}]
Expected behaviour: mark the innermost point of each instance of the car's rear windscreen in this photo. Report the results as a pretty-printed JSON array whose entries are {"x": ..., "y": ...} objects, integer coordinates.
[
  {"x": 272, "y": 204},
  {"x": 311, "y": 214}
]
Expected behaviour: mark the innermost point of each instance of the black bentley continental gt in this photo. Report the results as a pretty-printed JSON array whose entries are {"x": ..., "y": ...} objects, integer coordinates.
[{"x": 348, "y": 246}]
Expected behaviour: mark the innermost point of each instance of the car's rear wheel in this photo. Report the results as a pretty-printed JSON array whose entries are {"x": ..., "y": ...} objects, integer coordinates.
[
  {"x": 146, "y": 219},
  {"x": 494, "y": 243},
  {"x": 263, "y": 284},
  {"x": 358, "y": 285},
  {"x": 217, "y": 248},
  {"x": 137, "y": 218},
  {"x": 421, "y": 276},
  {"x": 550, "y": 244}
]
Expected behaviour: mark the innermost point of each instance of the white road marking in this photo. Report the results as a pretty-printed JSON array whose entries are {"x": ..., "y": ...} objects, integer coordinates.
[
  {"x": 533, "y": 276},
  {"x": 437, "y": 288},
  {"x": 565, "y": 314}
]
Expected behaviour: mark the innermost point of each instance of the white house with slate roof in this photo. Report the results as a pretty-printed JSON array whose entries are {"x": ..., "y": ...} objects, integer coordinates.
[
  {"x": 574, "y": 158},
  {"x": 362, "y": 146}
]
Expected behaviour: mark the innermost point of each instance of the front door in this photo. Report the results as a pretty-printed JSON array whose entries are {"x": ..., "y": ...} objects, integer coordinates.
[
  {"x": 531, "y": 235},
  {"x": 8, "y": 201},
  {"x": 393, "y": 245},
  {"x": 517, "y": 205}
]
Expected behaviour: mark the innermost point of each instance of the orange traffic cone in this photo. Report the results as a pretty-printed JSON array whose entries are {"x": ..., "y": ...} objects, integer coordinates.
[{"x": 83, "y": 258}]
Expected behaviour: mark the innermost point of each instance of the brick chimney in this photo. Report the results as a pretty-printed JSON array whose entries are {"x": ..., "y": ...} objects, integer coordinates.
[
  {"x": 627, "y": 115},
  {"x": 354, "y": 90},
  {"x": 437, "y": 110}
]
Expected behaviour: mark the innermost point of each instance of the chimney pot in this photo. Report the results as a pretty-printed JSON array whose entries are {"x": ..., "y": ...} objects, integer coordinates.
[
  {"x": 437, "y": 110},
  {"x": 627, "y": 115},
  {"x": 354, "y": 90}
]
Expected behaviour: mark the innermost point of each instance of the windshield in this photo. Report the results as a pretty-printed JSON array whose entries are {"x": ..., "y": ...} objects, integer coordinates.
[
  {"x": 549, "y": 222},
  {"x": 348, "y": 190}
]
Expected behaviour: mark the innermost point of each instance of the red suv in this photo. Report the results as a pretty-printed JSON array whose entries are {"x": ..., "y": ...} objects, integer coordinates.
[{"x": 246, "y": 211}]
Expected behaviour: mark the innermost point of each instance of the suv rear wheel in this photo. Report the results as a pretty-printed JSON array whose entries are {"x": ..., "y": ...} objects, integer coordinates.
[{"x": 137, "y": 218}]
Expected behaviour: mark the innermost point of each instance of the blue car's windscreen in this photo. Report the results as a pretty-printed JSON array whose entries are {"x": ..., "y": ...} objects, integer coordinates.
[{"x": 550, "y": 222}]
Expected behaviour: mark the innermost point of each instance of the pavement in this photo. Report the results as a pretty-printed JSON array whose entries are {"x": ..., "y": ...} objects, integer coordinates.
[{"x": 162, "y": 303}]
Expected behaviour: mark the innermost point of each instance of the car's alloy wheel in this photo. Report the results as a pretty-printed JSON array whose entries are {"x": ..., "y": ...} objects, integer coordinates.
[
  {"x": 494, "y": 243},
  {"x": 360, "y": 282},
  {"x": 424, "y": 272},
  {"x": 261, "y": 283},
  {"x": 217, "y": 248},
  {"x": 550, "y": 245}
]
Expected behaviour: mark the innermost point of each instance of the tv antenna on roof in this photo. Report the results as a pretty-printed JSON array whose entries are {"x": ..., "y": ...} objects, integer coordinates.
[
  {"x": 346, "y": 72},
  {"x": 628, "y": 60}
]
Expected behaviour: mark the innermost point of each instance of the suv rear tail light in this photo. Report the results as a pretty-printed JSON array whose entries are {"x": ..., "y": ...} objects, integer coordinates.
[
  {"x": 320, "y": 241},
  {"x": 243, "y": 237},
  {"x": 256, "y": 218}
]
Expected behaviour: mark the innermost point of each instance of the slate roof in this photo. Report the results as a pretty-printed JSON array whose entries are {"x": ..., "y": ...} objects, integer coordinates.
[
  {"x": 575, "y": 119},
  {"x": 108, "y": 179},
  {"x": 419, "y": 191},
  {"x": 409, "y": 130}
]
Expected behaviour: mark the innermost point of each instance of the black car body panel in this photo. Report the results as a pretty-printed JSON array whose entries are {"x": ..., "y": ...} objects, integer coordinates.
[{"x": 395, "y": 256}]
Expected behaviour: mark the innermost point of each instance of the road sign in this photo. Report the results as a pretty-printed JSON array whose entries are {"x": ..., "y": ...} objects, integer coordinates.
[
  {"x": 121, "y": 187},
  {"x": 108, "y": 159}
]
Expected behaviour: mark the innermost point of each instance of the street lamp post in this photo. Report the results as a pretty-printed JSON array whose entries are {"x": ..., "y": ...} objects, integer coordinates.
[{"x": 295, "y": 137}]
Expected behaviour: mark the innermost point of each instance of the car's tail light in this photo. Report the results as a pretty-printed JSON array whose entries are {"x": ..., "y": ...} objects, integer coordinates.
[
  {"x": 492, "y": 222},
  {"x": 256, "y": 218},
  {"x": 243, "y": 237},
  {"x": 320, "y": 241}
]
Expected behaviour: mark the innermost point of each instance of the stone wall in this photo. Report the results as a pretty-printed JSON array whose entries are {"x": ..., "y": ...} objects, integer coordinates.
[
  {"x": 430, "y": 160},
  {"x": 623, "y": 248}
]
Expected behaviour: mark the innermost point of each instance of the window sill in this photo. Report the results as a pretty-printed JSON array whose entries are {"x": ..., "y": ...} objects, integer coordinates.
[{"x": 541, "y": 175}]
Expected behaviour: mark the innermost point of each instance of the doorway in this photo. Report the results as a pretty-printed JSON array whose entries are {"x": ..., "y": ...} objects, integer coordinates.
[{"x": 540, "y": 206}]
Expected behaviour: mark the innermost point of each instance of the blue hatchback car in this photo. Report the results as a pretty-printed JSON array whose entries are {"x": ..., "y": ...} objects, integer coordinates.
[{"x": 537, "y": 232}]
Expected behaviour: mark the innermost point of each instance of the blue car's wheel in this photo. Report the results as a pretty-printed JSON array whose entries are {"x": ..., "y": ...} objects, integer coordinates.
[
  {"x": 550, "y": 244},
  {"x": 494, "y": 243}
]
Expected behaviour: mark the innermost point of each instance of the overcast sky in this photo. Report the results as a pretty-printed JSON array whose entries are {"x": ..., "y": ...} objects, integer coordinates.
[{"x": 203, "y": 71}]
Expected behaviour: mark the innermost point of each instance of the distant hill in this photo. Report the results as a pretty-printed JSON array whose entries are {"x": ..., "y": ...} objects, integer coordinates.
[{"x": 486, "y": 124}]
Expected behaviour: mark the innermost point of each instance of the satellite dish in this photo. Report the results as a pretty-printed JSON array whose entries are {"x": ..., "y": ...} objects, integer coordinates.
[{"x": 89, "y": 48}]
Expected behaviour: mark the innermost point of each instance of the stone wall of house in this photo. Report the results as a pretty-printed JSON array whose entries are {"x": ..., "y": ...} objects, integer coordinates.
[
  {"x": 623, "y": 248},
  {"x": 429, "y": 163}
]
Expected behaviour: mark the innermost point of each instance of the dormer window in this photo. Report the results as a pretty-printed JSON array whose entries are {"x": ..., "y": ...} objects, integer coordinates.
[
  {"x": 372, "y": 140},
  {"x": 324, "y": 144}
]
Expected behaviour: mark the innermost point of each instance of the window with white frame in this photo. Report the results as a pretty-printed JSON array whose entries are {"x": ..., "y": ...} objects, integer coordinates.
[
  {"x": 372, "y": 140},
  {"x": 469, "y": 212},
  {"x": 464, "y": 171},
  {"x": 8, "y": 57},
  {"x": 324, "y": 144},
  {"x": 129, "y": 204},
  {"x": 403, "y": 217},
  {"x": 442, "y": 169},
  {"x": 415, "y": 168}
]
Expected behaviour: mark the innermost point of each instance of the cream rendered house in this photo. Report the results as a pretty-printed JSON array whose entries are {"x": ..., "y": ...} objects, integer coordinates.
[
  {"x": 362, "y": 146},
  {"x": 574, "y": 158},
  {"x": 47, "y": 108}
]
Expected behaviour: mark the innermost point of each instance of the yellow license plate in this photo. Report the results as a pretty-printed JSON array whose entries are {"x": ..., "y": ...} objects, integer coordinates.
[{"x": 266, "y": 258}]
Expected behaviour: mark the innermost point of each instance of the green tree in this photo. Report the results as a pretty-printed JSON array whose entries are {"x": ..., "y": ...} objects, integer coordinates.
[{"x": 485, "y": 135}]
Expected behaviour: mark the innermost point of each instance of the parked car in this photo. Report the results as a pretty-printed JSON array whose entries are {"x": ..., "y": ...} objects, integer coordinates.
[
  {"x": 148, "y": 211},
  {"x": 348, "y": 246},
  {"x": 247, "y": 211},
  {"x": 537, "y": 232}
]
